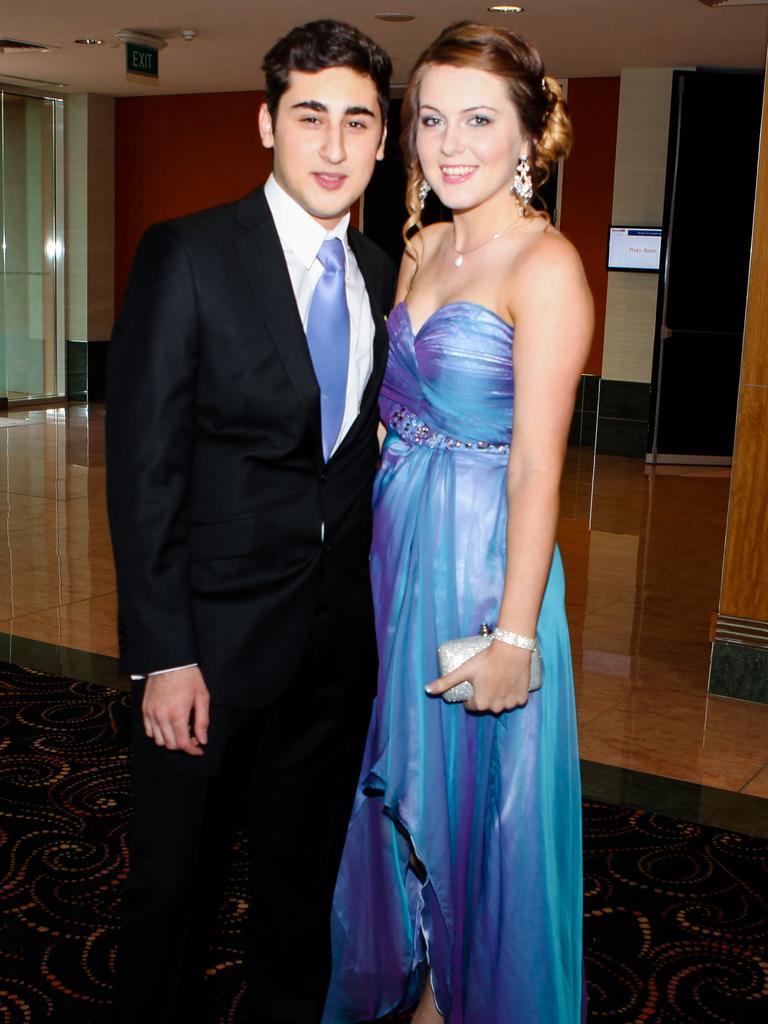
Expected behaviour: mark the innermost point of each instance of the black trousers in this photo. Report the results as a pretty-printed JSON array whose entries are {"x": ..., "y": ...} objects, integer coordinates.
[{"x": 295, "y": 764}]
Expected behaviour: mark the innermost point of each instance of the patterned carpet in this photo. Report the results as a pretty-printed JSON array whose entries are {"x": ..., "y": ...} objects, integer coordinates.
[{"x": 676, "y": 922}]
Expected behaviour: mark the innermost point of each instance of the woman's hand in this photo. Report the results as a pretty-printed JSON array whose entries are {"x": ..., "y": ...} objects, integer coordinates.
[{"x": 500, "y": 675}]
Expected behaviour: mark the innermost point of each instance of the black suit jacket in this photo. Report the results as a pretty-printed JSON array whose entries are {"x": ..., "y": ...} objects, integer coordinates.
[{"x": 217, "y": 486}]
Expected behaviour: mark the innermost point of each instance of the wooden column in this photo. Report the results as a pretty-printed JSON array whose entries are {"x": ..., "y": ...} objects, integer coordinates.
[{"x": 740, "y": 653}]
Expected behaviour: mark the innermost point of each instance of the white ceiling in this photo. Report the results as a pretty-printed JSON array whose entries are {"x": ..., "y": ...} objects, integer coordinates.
[{"x": 577, "y": 37}]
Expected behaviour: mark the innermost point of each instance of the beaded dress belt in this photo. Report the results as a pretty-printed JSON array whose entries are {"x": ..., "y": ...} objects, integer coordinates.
[{"x": 412, "y": 430}]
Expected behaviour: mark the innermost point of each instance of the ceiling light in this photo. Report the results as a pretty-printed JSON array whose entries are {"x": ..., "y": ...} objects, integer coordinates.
[
  {"x": 88, "y": 41},
  {"x": 22, "y": 46},
  {"x": 506, "y": 9},
  {"x": 394, "y": 16},
  {"x": 31, "y": 81}
]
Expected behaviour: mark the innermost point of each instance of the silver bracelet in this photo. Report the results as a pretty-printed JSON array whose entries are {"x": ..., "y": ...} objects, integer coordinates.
[{"x": 514, "y": 639}]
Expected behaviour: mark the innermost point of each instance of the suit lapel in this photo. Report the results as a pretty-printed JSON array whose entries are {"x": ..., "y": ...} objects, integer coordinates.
[
  {"x": 264, "y": 264},
  {"x": 374, "y": 288},
  {"x": 380, "y": 339}
]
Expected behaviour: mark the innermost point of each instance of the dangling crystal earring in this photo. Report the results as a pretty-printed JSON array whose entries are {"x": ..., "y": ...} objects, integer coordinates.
[
  {"x": 522, "y": 187},
  {"x": 424, "y": 190}
]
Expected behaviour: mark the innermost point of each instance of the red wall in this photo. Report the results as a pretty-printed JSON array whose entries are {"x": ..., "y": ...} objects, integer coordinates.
[
  {"x": 587, "y": 199},
  {"x": 176, "y": 154}
]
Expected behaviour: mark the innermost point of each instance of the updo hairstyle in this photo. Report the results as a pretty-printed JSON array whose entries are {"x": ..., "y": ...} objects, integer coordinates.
[{"x": 539, "y": 99}]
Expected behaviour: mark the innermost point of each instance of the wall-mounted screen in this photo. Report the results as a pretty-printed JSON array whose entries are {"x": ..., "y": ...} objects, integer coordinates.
[{"x": 634, "y": 248}]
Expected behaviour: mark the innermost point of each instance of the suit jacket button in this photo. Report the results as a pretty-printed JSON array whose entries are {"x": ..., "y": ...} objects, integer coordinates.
[{"x": 323, "y": 476}]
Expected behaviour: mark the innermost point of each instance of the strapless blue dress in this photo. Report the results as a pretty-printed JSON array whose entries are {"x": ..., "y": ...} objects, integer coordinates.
[{"x": 491, "y": 805}]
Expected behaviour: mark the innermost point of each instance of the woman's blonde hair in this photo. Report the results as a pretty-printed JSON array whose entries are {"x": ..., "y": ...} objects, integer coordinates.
[{"x": 539, "y": 101}]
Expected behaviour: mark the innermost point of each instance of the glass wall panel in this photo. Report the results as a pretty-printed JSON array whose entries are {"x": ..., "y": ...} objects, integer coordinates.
[{"x": 31, "y": 273}]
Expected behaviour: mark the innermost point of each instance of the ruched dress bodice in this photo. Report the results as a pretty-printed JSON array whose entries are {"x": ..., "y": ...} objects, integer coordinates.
[{"x": 455, "y": 374}]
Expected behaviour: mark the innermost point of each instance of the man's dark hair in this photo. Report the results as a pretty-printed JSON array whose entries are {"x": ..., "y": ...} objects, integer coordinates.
[{"x": 326, "y": 44}]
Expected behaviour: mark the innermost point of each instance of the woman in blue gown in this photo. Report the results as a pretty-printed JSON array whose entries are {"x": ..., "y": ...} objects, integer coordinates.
[{"x": 460, "y": 890}]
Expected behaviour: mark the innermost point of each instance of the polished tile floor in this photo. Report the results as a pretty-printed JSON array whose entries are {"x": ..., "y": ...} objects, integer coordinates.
[{"x": 642, "y": 550}]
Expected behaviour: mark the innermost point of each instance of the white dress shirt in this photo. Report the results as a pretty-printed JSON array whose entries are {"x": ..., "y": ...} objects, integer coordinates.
[{"x": 301, "y": 237}]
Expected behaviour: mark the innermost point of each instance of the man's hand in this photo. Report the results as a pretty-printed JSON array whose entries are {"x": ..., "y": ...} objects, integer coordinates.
[{"x": 175, "y": 710}]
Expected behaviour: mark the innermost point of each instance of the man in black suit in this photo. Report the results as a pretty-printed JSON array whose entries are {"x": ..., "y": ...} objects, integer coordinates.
[{"x": 241, "y": 451}]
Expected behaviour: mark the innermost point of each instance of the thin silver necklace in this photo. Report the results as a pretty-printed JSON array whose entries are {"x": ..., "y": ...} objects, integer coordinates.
[{"x": 461, "y": 253}]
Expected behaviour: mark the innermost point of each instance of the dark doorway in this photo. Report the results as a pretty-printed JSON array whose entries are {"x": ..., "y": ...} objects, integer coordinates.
[{"x": 708, "y": 210}]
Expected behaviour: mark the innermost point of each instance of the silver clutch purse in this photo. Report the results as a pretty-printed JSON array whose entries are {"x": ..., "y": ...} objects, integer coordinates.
[{"x": 453, "y": 653}]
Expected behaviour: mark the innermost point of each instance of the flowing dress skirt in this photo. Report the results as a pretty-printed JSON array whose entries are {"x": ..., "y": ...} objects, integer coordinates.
[{"x": 490, "y": 804}]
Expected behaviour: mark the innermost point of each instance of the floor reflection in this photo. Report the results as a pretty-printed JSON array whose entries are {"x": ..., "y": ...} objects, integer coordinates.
[{"x": 642, "y": 550}]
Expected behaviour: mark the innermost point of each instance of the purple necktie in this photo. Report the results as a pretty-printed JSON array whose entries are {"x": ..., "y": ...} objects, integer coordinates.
[{"x": 328, "y": 337}]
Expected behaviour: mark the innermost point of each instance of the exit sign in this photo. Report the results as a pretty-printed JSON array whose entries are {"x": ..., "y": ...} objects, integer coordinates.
[{"x": 141, "y": 60}]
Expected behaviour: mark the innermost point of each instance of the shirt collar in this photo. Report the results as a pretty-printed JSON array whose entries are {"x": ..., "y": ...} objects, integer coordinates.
[{"x": 297, "y": 230}]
